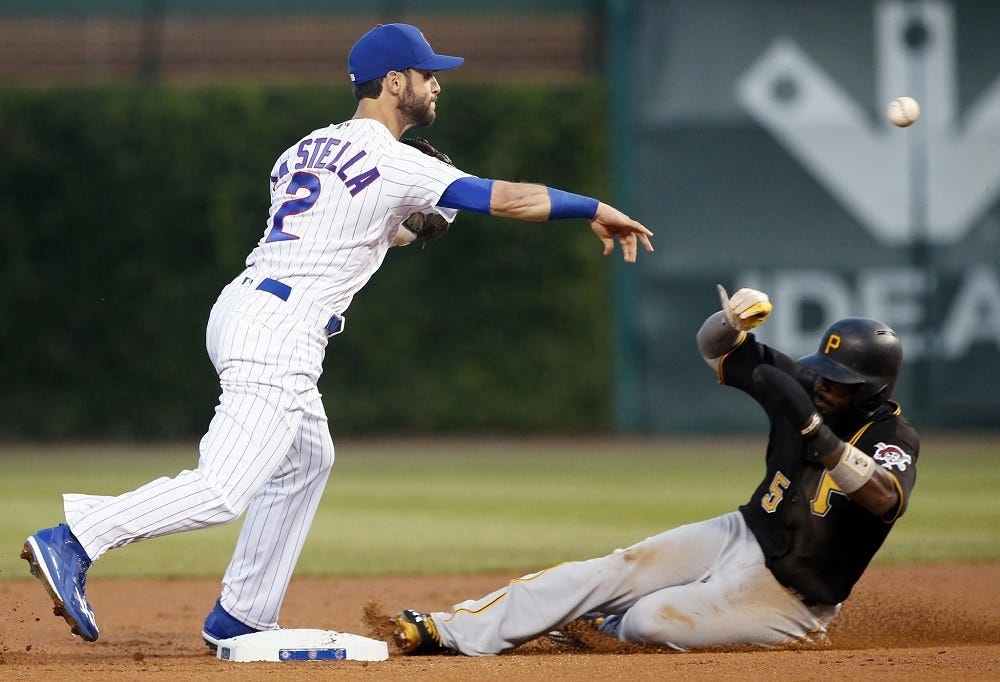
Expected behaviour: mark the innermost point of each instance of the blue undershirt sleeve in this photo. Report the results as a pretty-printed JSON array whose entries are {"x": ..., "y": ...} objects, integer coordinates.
[
  {"x": 569, "y": 205},
  {"x": 468, "y": 194}
]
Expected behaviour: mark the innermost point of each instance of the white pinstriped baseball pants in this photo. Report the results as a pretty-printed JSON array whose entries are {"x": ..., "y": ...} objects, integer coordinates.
[
  {"x": 699, "y": 585},
  {"x": 267, "y": 451}
]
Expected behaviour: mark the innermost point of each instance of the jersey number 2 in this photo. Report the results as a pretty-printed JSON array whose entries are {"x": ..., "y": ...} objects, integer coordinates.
[{"x": 300, "y": 180}]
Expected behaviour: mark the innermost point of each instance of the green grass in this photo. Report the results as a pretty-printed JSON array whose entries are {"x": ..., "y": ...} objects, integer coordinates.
[{"x": 492, "y": 505}]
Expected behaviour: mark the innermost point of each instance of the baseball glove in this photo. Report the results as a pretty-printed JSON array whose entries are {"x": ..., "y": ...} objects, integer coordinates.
[
  {"x": 747, "y": 308},
  {"x": 426, "y": 226},
  {"x": 427, "y": 148}
]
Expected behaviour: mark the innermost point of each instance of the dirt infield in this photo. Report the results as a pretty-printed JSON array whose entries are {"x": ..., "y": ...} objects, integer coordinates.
[{"x": 903, "y": 622}]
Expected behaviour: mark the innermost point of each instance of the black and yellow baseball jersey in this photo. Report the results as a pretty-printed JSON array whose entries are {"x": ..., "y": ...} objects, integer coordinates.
[{"x": 815, "y": 540}]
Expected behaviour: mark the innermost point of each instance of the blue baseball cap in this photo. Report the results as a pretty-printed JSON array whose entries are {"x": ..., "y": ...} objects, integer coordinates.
[{"x": 394, "y": 47}]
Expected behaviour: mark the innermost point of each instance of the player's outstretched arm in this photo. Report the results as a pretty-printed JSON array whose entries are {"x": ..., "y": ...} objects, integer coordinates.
[{"x": 724, "y": 330}]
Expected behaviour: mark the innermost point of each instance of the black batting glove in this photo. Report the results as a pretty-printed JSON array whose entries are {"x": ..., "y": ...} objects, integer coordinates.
[{"x": 789, "y": 397}]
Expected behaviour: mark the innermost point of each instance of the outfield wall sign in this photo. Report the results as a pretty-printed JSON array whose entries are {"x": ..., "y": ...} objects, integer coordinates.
[{"x": 768, "y": 162}]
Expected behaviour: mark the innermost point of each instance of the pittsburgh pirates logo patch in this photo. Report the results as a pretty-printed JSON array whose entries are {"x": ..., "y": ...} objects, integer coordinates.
[{"x": 890, "y": 456}]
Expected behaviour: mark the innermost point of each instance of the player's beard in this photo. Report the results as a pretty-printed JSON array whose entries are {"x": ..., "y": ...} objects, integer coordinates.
[
  {"x": 418, "y": 112},
  {"x": 842, "y": 419}
]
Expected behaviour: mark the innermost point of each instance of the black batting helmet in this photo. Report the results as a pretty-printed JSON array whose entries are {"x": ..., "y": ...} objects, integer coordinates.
[{"x": 859, "y": 350}]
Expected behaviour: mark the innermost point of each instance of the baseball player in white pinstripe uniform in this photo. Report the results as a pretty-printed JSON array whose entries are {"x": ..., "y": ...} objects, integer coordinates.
[{"x": 339, "y": 198}]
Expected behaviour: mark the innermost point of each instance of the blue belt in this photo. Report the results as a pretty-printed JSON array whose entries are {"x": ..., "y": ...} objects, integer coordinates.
[{"x": 283, "y": 291}]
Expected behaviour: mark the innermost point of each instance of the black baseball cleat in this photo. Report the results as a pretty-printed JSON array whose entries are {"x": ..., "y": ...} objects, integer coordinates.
[{"x": 415, "y": 633}]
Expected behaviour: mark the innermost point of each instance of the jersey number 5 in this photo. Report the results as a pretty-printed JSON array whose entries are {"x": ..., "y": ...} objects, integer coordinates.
[
  {"x": 776, "y": 491},
  {"x": 300, "y": 180}
]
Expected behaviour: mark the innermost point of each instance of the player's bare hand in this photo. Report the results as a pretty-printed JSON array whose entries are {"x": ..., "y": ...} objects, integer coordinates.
[{"x": 610, "y": 224}]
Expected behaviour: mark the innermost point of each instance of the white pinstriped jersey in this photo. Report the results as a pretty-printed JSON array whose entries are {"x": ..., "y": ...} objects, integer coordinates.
[{"x": 338, "y": 197}]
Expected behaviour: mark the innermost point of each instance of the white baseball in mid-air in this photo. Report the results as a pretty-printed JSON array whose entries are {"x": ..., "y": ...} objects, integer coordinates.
[{"x": 903, "y": 111}]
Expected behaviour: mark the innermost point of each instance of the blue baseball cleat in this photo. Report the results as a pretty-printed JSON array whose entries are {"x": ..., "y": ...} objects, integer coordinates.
[
  {"x": 605, "y": 624},
  {"x": 220, "y": 625},
  {"x": 58, "y": 559}
]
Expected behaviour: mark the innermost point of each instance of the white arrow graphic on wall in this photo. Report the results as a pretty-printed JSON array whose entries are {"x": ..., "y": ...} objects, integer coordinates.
[{"x": 866, "y": 164}]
